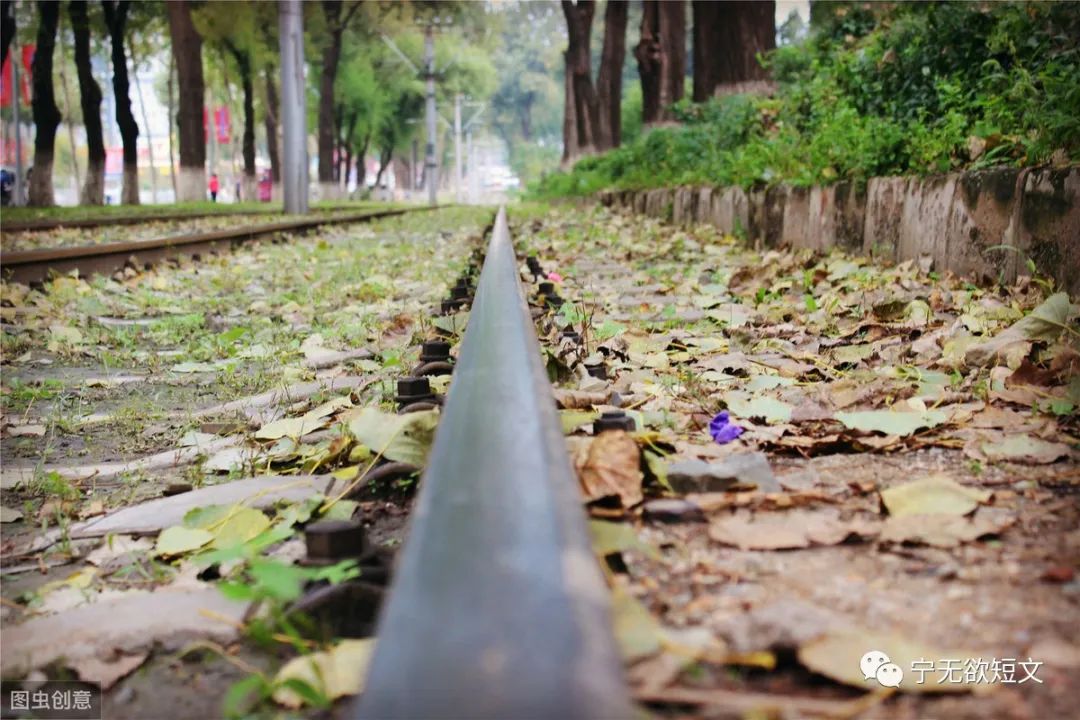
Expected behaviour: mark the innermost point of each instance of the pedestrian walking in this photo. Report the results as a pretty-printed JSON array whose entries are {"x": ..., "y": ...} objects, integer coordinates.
[{"x": 215, "y": 185}]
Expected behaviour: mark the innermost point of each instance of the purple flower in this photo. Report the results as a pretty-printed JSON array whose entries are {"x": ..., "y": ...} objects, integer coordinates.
[{"x": 722, "y": 429}]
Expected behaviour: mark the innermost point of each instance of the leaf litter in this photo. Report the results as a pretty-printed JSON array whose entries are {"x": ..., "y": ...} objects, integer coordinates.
[
  {"x": 265, "y": 396},
  {"x": 900, "y": 418}
]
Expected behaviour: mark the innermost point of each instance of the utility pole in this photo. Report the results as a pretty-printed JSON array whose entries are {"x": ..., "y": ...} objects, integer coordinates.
[
  {"x": 458, "y": 181},
  {"x": 431, "y": 171},
  {"x": 293, "y": 106},
  {"x": 412, "y": 170},
  {"x": 471, "y": 176},
  {"x": 16, "y": 56}
]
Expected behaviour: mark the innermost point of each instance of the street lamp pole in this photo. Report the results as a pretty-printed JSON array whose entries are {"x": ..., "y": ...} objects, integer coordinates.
[
  {"x": 293, "y": 115},
  {"x": 431, "y": 170}
]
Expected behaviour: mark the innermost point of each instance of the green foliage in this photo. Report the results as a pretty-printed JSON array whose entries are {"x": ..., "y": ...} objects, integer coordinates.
[{"x": 876, "y": 90}]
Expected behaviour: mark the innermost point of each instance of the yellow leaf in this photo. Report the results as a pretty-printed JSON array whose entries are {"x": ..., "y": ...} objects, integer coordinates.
[
  {"x": 178, "y": 540},
  {"x": 336, "y": 672}
]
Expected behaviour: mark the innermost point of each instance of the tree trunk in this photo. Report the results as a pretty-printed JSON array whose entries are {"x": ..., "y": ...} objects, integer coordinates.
[
  {"x": 187, "y": 49},
  {"x": 46, "y": 114},
  {"x": 361, "y": 166},
  {"x": 385, "y": 156},
  {"x": 579, "y": 16},
  {"x": 661, "y": 58},
  {"x": 271, "y": 122},
  {"x": 345, "y": 151},
  {"x": 243, "y": 63},
  {"x": 93, "y": 191},
  {"x": 728, "y": 36},
  {"x": 335, "y": 25},
  {"x": 570, "y": 136},
  {"x": 146, "y": 124},
  {"x": 169, "y": 92},
  {"x": 7, "y": 26},
  {"x": 609, "y": 81},
  {"x": 339, "y": 123},
  {"x": 116, "y": 21},
  {"x": 76, "y": 174}
]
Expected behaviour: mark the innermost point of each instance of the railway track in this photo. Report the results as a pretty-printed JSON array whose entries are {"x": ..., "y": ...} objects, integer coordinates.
[
  {"x": 497, "y": 547},
  {"x": 35, "y": 266},
  {"x": 495, "y": 605},
  {"x": 498, "y": 605},
  {"x": 44, "y": 224}
]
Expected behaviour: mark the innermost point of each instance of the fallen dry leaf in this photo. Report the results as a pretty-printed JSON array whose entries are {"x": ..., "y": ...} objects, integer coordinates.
[
  {"x": 936, "y": 494},
  {"x": 610, "y": 466},
  {"x": 943, "y": 531},
  {"x": 837, "y": 655},
  {"x": 787, "y": 530}
]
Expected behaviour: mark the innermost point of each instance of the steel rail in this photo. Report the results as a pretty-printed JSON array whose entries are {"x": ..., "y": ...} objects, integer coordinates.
[
  {"x": 498, "y": 608},
  {"x": 44, "y": 224},
  {"x": 34, "y": 266}
]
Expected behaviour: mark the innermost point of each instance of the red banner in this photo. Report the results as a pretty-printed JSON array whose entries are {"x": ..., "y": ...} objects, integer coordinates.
[
  {"x": 6, "y": 78},
  {"x": 222, "y": 124}
]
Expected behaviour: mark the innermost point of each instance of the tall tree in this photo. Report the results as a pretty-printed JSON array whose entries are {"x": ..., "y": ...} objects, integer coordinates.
[
  {"x": 243, "y": 63},
  {"x": 581, "y": 105},
  {"x": 728, "y": 36},
  {"x": 187, "y": 50},
  {"x": 271, "y": 125},
  {"x": 7, "y": 26},
  {"x": 233, "y": 29},
  {"x": 93, "y": 190},
  {"x": 530, "y": 67},
  {"x": 609, "y": 81},
  {"x": 661, "y": 57},
  {"x": 116, "y": 17},
  {"x": 46, "y": 114},
  {"x": 336, "y": 23}
]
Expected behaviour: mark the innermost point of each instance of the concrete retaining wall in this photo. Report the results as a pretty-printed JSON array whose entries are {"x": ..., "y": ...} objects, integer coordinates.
[{"x": 960, "y": 221}]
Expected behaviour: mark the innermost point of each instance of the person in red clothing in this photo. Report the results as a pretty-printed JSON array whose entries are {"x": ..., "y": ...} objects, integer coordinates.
[{"x": 214, "y": 187}]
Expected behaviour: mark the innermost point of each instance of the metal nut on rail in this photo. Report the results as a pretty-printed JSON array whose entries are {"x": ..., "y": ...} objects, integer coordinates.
[
  {"x": 412, "y": 389},
  {"x": 613, "y": 420},
  {"x": 329, "y": 541},
  {"x": 534, "y": 266},
  {"x": 434, "y": 351},
  {"x": 571, "y": 335},
  {"x": 461, "y": 294},
  {"x": 598, "y": 371}
]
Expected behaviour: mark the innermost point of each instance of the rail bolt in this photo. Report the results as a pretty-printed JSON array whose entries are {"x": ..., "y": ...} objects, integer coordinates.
[
  {"x": 598, "y": 371},
  {"x": 329, "y": 541},
  {"x": 413, "y": 390},
  {"x": 572, "y": 335},
  {"x": 435, "y": 351},
  {"x": 613, "y": 420},
  {"x": 547, "y": 288}
]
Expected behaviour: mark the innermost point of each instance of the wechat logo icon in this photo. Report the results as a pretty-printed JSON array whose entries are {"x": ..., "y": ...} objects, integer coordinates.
[{"x": 875, "y": 665}]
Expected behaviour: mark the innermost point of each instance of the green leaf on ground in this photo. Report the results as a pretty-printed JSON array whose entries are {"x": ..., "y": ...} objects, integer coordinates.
[
  {"x": 403, "y": 438},
  {"x": 612, "y": 537},
  {"x": 744, "y": 405},
  {"x": 178, "y": 540},
  {"x": 891, "y": 422},
  {"x": 636, "y": 630}
]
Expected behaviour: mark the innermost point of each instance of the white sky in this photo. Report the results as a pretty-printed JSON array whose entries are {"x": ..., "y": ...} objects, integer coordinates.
[{"x": 784, "y": 8}]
